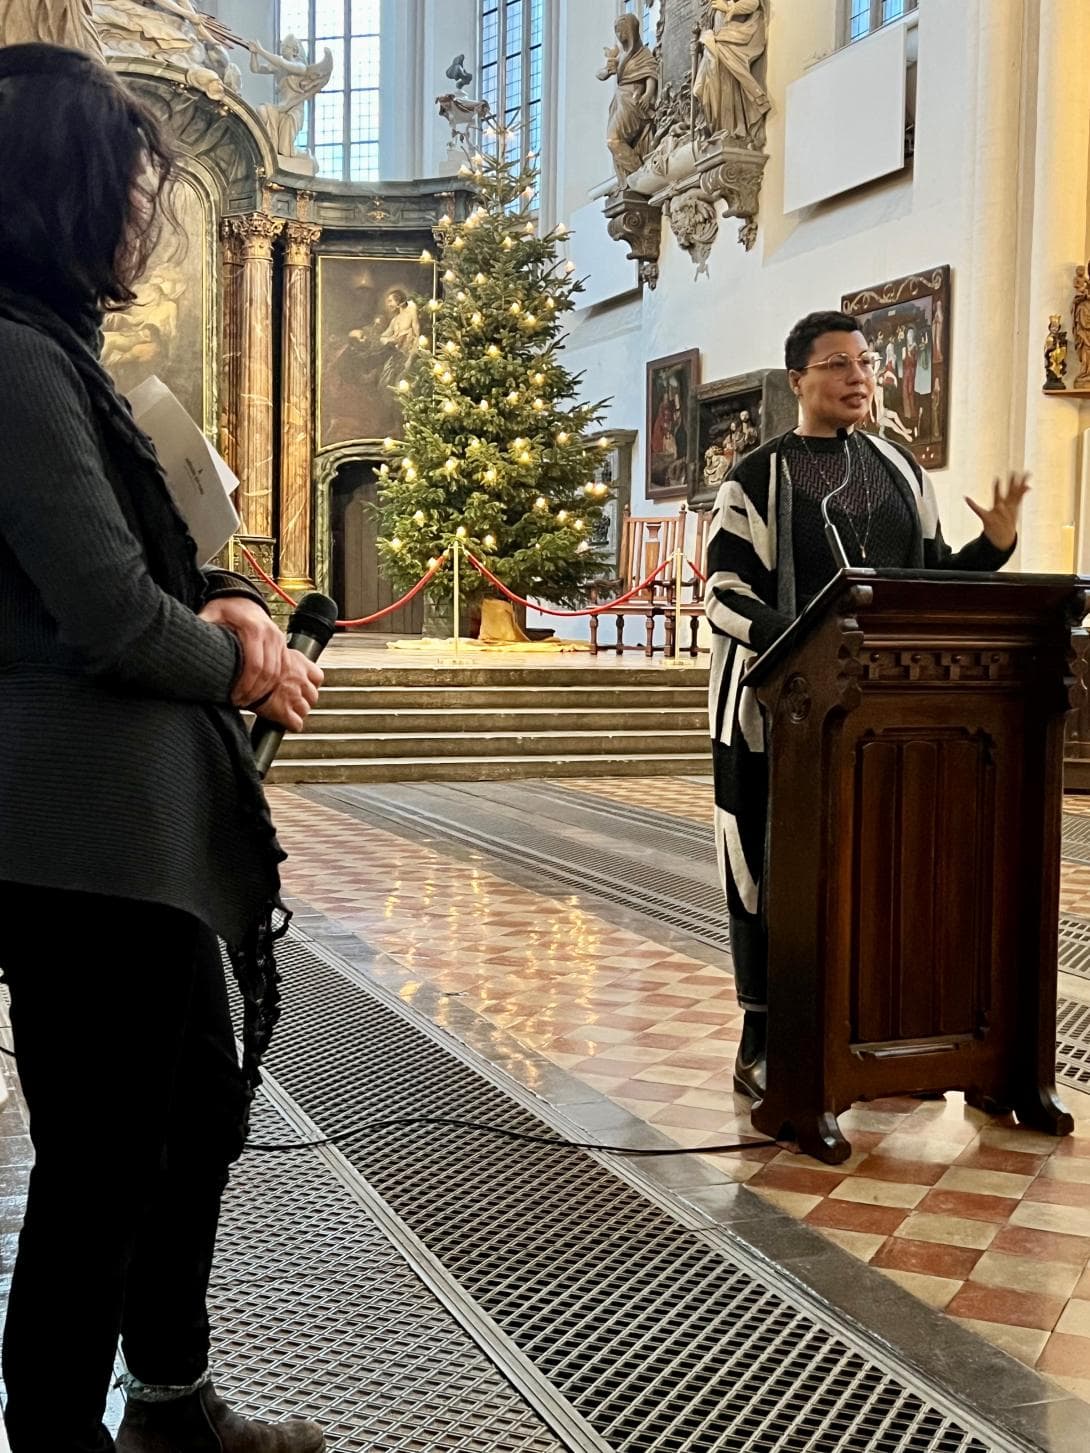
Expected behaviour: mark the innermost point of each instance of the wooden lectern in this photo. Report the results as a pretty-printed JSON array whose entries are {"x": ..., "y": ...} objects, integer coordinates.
[{"x": 916, "y": 739}]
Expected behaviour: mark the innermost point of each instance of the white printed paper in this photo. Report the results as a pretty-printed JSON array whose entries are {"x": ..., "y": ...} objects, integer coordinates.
[{"x": 199, "y": 479}]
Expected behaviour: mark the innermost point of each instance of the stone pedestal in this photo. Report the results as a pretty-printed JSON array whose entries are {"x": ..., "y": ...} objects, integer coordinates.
[{"x": 296, "y": 511}]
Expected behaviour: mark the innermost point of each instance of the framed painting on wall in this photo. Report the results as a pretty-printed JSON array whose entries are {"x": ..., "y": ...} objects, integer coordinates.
[
  {"x": 170, "y": 330},
  {"x": 369, "y": 323},
  {"x": 907, "y": 324},
  {"x": 737, "y": 415},
  {"x": 672, "y": 424}
]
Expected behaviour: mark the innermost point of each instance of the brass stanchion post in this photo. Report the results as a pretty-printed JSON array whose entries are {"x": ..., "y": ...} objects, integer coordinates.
[{"x": 457, "y": 592}]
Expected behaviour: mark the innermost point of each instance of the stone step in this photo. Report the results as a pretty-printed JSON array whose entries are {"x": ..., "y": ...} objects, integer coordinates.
[
  {"x": 486, "y": 769},
  {"x": 663, "y": 674},
  {"x": 315, "y": 746},
  {"x": 544, "y": 717},
  {"x": 511, "y": 698}
]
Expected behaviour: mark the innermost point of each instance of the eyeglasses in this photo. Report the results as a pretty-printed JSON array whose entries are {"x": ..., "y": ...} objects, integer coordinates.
[{"x": 841, "y": 364}]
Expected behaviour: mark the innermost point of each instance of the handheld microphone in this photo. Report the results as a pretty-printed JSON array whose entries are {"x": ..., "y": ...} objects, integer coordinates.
[
  {"x": 309, "y": 631},
  {"x": 832, "y": 534}
]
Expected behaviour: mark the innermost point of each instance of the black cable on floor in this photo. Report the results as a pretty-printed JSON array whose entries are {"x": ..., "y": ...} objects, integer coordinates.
[
  {"x": 483, "y": 1129},
  {"x": 519, "y": 1135}
]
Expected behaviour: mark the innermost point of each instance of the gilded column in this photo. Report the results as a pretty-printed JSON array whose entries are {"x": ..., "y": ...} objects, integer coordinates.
[
  {"x": 256, "y": 234},
  {"x": 296, "y": 409},
  {"x": 231, "y": 353}
]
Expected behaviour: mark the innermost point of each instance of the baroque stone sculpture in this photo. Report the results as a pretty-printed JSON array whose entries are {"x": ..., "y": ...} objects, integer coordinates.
[
  {"x": 733, "y": 101},
  {"x": 463, "y": 115},
  {"x": 630, "y": 130},
  {"x": 167, "y": 30},
  {"x": 298, "y": 81},
  {"x": 53, "y": 22},
  {"x": 699, "y": 156},
  {"x": 1080, "y": 324}
]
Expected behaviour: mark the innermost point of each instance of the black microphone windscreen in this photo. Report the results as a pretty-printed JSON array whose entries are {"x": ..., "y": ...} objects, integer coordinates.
[
  {"x": 842, "y": 435},
  {"x": 315, "y": 615}
]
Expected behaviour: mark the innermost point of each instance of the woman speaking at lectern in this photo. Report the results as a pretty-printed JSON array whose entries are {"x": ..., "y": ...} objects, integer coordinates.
[{"x": 769, "y": 556}]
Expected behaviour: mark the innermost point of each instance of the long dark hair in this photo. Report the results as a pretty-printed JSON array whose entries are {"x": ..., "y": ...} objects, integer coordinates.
[{"x": 83, "y": 185}]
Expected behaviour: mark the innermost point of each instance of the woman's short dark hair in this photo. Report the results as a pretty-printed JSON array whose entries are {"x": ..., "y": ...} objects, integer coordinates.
[
  {"x": 801, "y": 339},
  {"x": 85, "y": 168}
]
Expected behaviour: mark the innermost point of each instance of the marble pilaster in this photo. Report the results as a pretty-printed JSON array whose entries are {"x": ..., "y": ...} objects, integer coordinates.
[
  {"x": 256, "y": 236},
  {"x": 297, "y": 409},
  {"x": 231, "y": 350}
]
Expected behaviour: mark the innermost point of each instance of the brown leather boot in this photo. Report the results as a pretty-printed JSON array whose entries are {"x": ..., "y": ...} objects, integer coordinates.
[{"x": 201, "y": 1422}]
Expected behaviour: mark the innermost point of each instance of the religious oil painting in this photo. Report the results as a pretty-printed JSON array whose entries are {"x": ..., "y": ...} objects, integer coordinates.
[
  {"x": 372, "y": 312},
  {"x": 170, "y": 329},
  {"x": 672, "y": 424},
  {"x": 907, "y": 324}
]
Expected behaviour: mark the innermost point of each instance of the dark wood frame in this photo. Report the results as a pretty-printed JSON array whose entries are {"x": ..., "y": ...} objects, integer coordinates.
[
  {"x": 776, "y": 413},
  {"x": 690, "y": 358},
  {"x": 934, "y": 283}
]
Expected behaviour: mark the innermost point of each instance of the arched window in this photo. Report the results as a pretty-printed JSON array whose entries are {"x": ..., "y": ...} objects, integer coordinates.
[
  {"x": 341, "y": 127},
  {"x": 512, "y": 68}
]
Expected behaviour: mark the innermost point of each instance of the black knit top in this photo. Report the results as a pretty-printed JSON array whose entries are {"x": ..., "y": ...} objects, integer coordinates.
[
  {"x": 120, "y": 771},
  {"x": 871, "y": 514}
]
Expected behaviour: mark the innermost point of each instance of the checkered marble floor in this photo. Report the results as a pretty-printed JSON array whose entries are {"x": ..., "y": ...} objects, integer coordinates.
[{"x": 972, "y": 1214}]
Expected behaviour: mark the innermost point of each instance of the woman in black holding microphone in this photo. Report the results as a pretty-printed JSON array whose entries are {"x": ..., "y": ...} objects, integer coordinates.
[
  {"x": 133, "y": 828},
  {"x": 768, "y": 557}
]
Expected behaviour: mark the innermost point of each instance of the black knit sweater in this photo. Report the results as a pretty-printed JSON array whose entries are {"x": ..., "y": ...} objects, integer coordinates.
[{"x": 120, "y": 769}]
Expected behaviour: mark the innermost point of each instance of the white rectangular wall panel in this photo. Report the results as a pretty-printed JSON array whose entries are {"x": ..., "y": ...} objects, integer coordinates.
[{"x": 845, "y": 123}]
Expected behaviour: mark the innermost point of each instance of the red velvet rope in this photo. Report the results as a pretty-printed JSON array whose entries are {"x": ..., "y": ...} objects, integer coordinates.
[
  {"x": 593, "y": 610},
  {"x": 363, "y": 620}
]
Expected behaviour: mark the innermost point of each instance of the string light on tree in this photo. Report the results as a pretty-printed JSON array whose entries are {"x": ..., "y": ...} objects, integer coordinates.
[{"x": 515, "y": 479}]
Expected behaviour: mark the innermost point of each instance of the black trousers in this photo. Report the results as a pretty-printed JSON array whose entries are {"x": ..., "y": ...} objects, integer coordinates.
[
  {"x": 749, "y": 950},
  {"x": 137, "y": 1109}
]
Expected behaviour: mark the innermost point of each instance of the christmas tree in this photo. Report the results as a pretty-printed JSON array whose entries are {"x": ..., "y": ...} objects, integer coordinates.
[{"x": 494, "y": 452}]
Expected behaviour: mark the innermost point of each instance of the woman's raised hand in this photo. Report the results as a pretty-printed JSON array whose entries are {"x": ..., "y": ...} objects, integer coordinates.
[{"x": 1001, "y": 520}]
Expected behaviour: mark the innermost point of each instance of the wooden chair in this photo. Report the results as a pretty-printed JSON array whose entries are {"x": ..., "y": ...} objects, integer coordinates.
[{"x": 647, "y": 541}]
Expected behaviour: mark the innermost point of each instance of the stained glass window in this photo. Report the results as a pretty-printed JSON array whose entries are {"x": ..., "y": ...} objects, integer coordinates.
[{"x": 341, "y": 126}]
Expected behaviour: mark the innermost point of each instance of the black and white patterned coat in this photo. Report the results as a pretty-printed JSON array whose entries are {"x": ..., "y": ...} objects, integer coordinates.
[{"x": 750, "y": 601}]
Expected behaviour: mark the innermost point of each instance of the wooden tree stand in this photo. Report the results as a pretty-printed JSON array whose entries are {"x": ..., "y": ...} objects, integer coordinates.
[{"x": 916, "y": 760}]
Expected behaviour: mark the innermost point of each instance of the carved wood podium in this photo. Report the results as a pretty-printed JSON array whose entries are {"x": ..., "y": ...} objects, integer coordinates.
[{"x": 916, "y": 739}]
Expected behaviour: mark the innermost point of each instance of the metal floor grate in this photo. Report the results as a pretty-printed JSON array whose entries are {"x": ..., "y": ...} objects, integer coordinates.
[
  {"x": 315, "y": 1312},
  {"x": 658, "y": 1339},
  {"x": 1076, "y": 837},
  {"x": 1073, "y": 1044},
  {"x": 1074, "y": 955}
]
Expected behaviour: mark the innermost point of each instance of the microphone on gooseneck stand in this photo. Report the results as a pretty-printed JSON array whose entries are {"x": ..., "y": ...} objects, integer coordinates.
[
  {"x": 832, "y": 534},
  {"x": 310, "y": 629}
]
